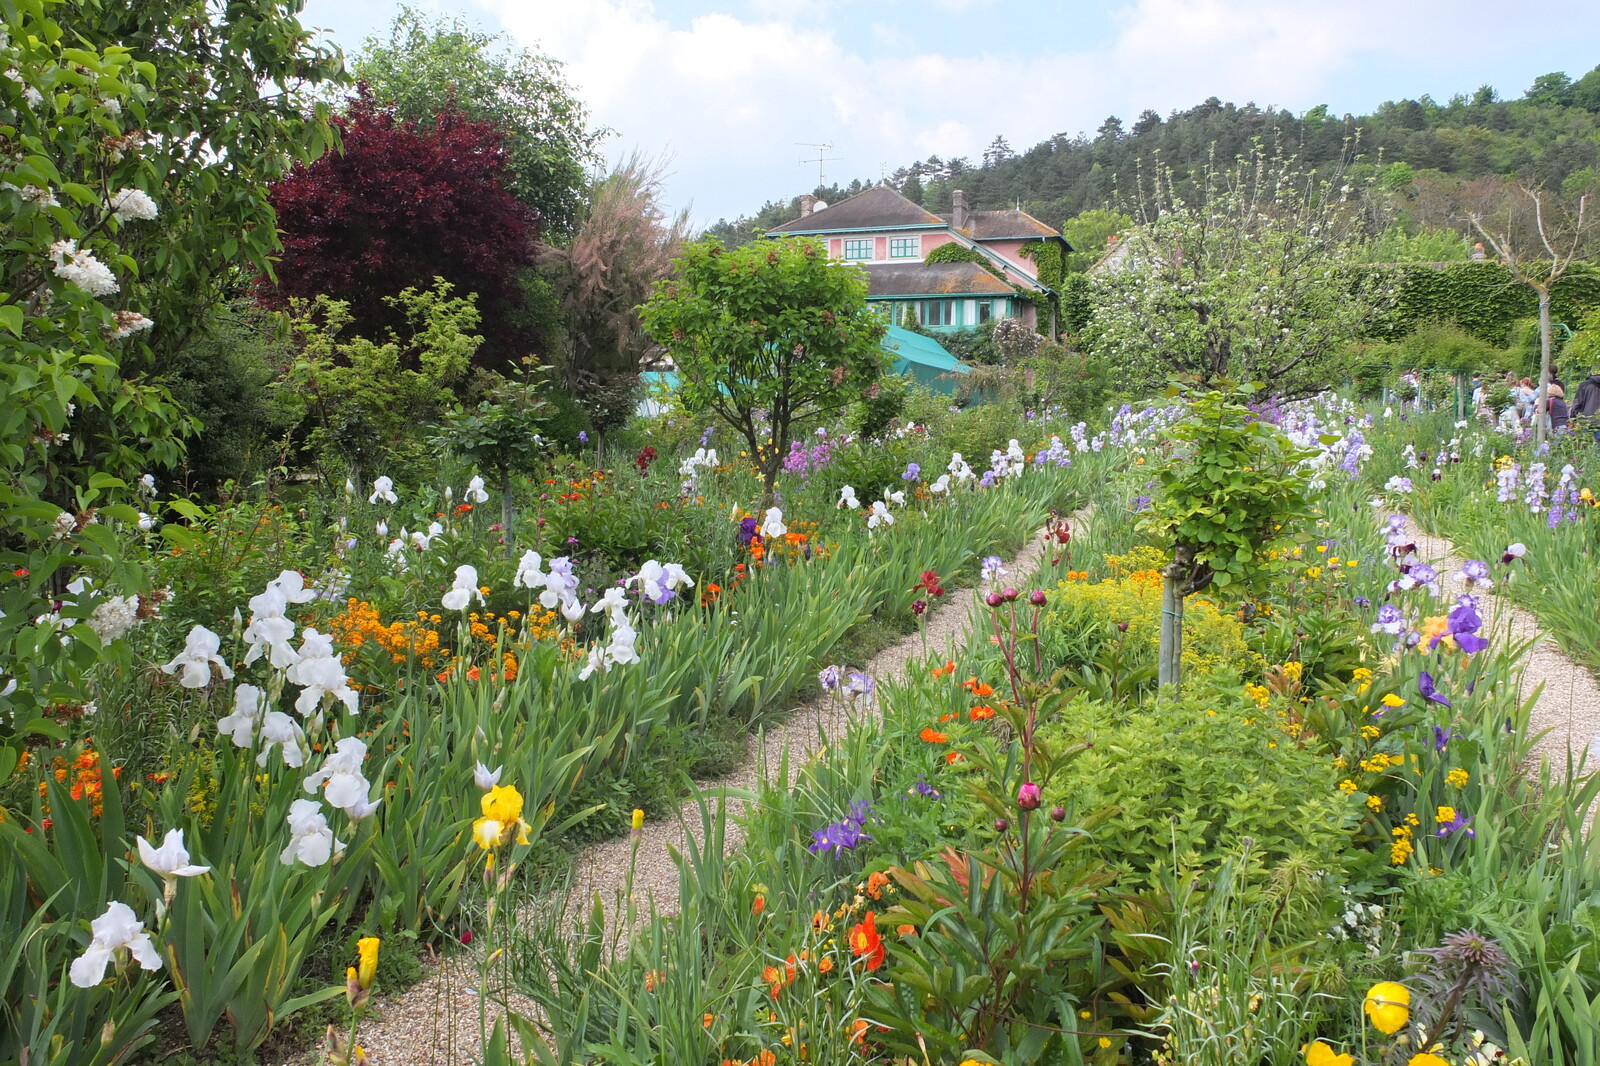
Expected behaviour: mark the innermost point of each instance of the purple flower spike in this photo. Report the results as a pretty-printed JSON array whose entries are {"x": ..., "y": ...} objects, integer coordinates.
[
  {"x": 1441, "y": 738},
  {"x": 1426, "y": 688}
]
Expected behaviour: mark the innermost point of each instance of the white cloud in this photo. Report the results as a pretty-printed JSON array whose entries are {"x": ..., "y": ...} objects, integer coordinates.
[{"x": 729, "y": 95}]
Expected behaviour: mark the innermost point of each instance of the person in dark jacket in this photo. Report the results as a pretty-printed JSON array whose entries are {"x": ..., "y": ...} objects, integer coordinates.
[
  {"x": 1584, "y": 409},
  {"x": 1556, "y": 405}
]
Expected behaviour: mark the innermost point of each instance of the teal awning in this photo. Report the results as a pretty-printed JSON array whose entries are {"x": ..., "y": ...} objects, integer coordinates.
[{"x": 923, "y": 359}]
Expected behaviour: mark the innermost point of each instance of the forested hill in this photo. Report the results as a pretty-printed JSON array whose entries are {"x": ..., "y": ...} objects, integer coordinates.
[{"x": 1551, "y": 134}]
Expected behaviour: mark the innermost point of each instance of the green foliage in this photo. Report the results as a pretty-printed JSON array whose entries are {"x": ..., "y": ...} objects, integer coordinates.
[
  {"x": 127, "y": 198},
  {"x": 1483, "y": 298},
  {"x": 1397, "y": 244},
  {"x": 882, "y": 407},
  {"x": 1049, "y": 260},
  {"x": 778, "y": 328},
  {"x": 955, "y": 252},
  {"x": 362, "y": 397},
  {"x": 429, "y": 66},
  {"x": 1225, "y": 494},
  {"x": 1188, "y": 781},
  {"x": 1076, "y": 303},
  {"x": 1088, "y": 232},
  {"x": 222, "y": 378}
]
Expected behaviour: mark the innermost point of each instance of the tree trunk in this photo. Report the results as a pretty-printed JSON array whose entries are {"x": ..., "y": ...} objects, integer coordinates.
[
  {"x": 1542, "y": 402},
  {"x": 1170, "y": 655},
  {"x": 508, "y": 516}
]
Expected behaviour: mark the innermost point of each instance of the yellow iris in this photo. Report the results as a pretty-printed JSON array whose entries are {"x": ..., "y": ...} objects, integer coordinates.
[
  {"x": 1426, "y": 1059},
  {"x": 367, "y": 969},
  {"x": 638, "y": 818},
  {"x": 502, "y": 817},
  {"x": 1388, "y": 1006}
]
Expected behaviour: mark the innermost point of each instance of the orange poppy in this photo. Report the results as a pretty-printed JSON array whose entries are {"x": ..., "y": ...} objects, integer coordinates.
[
  {"x": 865, "y": 941},
  {"x": 933, "y": 736}
]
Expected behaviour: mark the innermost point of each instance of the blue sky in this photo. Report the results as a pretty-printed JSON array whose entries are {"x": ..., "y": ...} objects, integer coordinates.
[{"x": 726, "y": 90}]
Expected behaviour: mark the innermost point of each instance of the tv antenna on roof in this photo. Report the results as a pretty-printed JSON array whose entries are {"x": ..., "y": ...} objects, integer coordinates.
[{"x": 822, "y": 158}]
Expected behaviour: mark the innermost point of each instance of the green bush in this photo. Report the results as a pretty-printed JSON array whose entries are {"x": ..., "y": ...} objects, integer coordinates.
[
  {"x": 221, "y": 378},
  {"x": 1189, "y": 780}
]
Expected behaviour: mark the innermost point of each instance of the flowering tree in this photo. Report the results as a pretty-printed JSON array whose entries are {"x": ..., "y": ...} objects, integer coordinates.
[
  {"x": 403, "y": 203},
  {"x": 1243, "y": 280},
  {"x": 117, "y": 170},
  {"x": 766, "y": 336}
]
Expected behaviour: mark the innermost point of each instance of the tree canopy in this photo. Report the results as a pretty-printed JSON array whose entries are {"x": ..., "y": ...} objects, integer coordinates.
[{"x": 427, "y": 67}]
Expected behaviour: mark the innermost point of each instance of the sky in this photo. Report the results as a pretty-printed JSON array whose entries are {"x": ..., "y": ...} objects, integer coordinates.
[{"x": 733, "y": 94}]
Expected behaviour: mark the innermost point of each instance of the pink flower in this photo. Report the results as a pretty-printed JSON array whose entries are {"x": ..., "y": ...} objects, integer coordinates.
[{"x": 1029, "y": 797}]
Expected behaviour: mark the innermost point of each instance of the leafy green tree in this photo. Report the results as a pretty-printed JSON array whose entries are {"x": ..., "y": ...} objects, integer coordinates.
[
  {"x": 139, "y": 139},
  {"x": 1552, "y": 88},
  {"x": 501, "y": 435},
  {"x": 1243, "y": 281},
  {"x": 767, "y": 336},
  {"x": 1088, "y": 232},
  {"x": 427, "y": 67},
  {"x": 1223, "y": 496}
]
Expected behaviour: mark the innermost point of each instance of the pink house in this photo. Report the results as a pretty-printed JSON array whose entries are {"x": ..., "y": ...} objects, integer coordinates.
[{"x": 891, "y": 237}]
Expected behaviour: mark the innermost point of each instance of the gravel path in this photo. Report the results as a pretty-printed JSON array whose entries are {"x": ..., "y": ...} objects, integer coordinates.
[
  {"x": 436, "y": 1020},
  {"x": 1566, "y": 716}
]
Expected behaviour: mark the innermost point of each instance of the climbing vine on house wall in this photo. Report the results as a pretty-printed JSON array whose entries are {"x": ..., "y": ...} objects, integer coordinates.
[
  {"x": 960, "y": 253},
  {"x": 1049, "y": 258}
]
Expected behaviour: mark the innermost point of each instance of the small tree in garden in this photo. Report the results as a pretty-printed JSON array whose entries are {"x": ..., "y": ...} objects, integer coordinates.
[
  {"x": 1538, "y": 235},
  {"x": 1241, "y": 280},
  {"x": 766, "y": 336},
  {"x": 362, "y": 398},
  {"x": 500, "y": 435},
  {"x": 1226, "y": 492}
]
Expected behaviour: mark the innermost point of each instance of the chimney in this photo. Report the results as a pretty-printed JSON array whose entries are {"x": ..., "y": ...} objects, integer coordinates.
[
  {"x": 958, "y": 210},
  {"x": 808, "y": 204}
]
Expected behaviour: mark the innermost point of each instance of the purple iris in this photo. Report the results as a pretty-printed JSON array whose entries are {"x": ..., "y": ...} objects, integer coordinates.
[
  {"x": 1464, "y": 623},
  {"x": 747, "y": 531},
  {"x": 1427, "y": 690},
  {"x": 922, "y": 788},
  {"x": 1390, "y": 620},
  {"x": 583, "y": 437},
  {"x": 829, "y": 677},
  {"x": 1362, "y": 601},
  {"x": 1441, "y": 738},
  {"x": 1141, "y": 503},
  {"x": 1458, "y": 824},
  {"x": 913, "y": 472},
  {"x": 843, "y": 835}
]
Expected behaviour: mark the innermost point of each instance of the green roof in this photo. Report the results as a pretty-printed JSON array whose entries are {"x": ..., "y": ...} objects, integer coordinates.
[{"x": 922, "y": 358}]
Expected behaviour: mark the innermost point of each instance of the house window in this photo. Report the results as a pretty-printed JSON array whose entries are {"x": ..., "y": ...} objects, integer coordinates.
[
  {"x": 938, "y": 312},
  {"x": 985, "y": 309},
  {"x": 858, "y": 249},
  {"x": 905, "y": 247}
]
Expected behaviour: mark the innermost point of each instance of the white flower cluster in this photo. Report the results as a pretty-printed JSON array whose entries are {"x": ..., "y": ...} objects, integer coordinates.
[
  {"x": 81, "y": 268},
  {"x": 131, "y": 204}
]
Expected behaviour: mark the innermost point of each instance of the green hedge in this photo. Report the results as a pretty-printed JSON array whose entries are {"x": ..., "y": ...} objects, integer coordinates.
[{"x": 1482, "y": 298}]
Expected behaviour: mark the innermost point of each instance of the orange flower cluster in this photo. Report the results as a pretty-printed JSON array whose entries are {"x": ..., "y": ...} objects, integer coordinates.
[
  {"x": 84, "y": 773},
  {"x": 767, "y": 1057},
  {"x": 360, "y": 625}
]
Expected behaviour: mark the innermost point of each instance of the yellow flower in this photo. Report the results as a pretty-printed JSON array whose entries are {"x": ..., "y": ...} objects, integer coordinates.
[
  {"x": 638, "y": 818},
  {"x": 1105, "y": 1041},
  {"x": 1458, "y": 777},
  {"x": 1374, "y": 803},
  {"x": 1388, "y": 1007},
  {"x": 1424, "y": 1058},
  {"x": 1444, "y": 814},
  {"x": 1319, "y": 1053},
  {"x": 367, "y": 948},
  {"x": 1392, "y": 700},
  {"x": 1347, "y": 786},
  {"x": 502, "y": 817},
  {"x": 1361, "y": 673}
]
